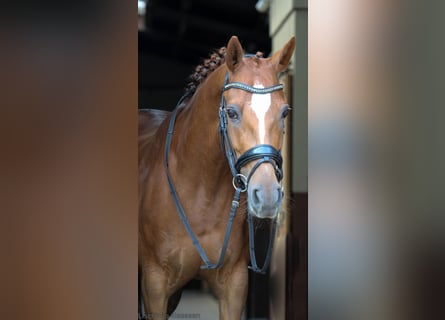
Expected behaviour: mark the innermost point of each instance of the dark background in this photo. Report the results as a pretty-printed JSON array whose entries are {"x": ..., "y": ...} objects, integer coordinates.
[{"x": 180, "y": 33}]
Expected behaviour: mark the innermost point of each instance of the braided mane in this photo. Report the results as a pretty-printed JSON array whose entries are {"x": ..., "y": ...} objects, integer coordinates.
[{"x": 216, "y": 59}]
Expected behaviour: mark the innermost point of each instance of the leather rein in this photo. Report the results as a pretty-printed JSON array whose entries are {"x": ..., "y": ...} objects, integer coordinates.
[{"x": 263, "y": 153}]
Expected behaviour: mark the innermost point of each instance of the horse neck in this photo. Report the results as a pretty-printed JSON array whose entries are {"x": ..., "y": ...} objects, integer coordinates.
[{"x": 199, "y": 146}]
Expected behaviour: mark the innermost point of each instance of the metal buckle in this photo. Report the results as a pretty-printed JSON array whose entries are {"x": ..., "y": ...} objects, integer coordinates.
[{"x": 240, "y": 182}]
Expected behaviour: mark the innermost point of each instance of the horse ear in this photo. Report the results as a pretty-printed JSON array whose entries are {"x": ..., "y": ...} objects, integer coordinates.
[
  {"x": 282, "y": 57},
  {"x": 234, "y": 54}
]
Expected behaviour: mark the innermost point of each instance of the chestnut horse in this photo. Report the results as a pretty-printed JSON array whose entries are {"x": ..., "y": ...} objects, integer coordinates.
[{"x": 225, "y": 133}]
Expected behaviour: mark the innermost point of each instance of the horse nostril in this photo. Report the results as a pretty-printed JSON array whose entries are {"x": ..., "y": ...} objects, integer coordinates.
[
  {"x": 256, "y": 197},
  {"x": 280, "y": 194}
]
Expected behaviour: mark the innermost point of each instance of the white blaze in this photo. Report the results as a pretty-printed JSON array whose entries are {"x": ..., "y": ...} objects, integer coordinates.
[{"x": 260, "y": 103}]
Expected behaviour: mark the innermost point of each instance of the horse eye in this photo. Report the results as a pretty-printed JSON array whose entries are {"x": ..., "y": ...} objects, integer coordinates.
[
  {"x": 232, "y": 114},
  {"x": 285, "y": 112}
]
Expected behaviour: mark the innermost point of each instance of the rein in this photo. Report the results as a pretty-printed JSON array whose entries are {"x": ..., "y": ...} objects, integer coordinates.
[
  {"x": 188, "y": 228},
  {"x": 263, "y": 153}
]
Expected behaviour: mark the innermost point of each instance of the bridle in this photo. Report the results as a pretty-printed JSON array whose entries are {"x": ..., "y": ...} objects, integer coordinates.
[{"x": 262, "y": 153}]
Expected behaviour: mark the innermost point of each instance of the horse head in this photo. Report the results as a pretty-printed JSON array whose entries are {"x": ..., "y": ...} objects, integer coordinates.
[{"x": 254, "y": 110}]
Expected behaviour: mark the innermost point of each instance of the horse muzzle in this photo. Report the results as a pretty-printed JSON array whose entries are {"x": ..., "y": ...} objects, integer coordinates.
[
  {"x": 264, "y": 192},
  {"x": 264, "y": 201}
]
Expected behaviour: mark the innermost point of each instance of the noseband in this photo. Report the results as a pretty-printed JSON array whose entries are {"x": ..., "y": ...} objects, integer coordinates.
[{"x": 262, "y": 153}]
